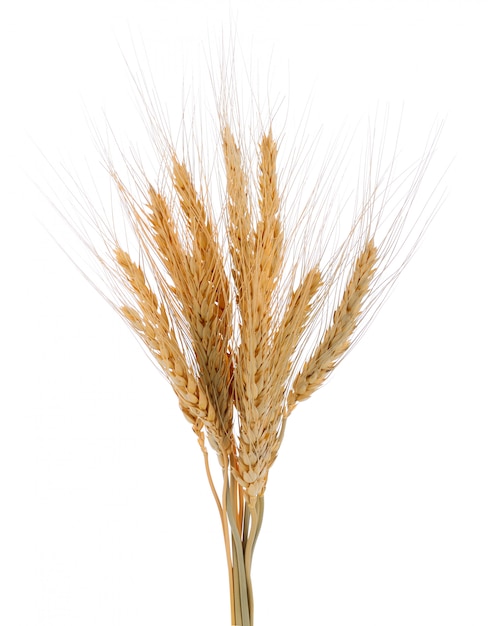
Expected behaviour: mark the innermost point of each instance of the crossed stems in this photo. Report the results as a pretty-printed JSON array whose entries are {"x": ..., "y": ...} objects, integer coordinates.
[{"x": 241, "y": 519}]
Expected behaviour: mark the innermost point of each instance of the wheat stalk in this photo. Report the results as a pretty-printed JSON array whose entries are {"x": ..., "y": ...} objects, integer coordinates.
[{"x": 235, "y": 317}]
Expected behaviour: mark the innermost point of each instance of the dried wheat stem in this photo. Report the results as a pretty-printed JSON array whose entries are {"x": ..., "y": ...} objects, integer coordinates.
[
  {"x": 249, "y": 547},
  {"x": 242, "y": 605}
]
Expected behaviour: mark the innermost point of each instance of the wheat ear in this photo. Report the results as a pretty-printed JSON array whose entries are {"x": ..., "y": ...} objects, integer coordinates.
[
  {"x": 190, "y": 331},
  {"x": 256, "y": 243},
  {"x": 205, "y": 299},
  {"x": 150, "y": 322},
  {"x": 338, "y": 337},
  {"x": 240, "y": 231}
]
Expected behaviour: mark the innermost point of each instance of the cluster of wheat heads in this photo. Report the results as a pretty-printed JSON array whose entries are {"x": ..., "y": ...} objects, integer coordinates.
[{"x": 246, "y": 311}]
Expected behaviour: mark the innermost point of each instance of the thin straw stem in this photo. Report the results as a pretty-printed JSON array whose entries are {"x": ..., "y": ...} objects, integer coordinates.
[{"x": 239, "y": 566}]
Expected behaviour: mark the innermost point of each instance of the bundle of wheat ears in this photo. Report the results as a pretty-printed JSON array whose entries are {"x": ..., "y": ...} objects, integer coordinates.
[{"x": 247, "y": 307}]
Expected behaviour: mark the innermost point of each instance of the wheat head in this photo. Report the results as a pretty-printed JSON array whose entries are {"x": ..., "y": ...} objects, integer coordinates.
[{"x": 337, "y": 338}]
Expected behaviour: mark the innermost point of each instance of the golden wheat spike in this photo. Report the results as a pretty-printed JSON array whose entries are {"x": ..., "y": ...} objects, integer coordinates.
[
  {"x": 239, "y": 224},
  {"x": 263, "y": 409},
  {"x": 204, "y": 294},
  {"x": 337, "y": 339},
  {"x": 152, "y": 326},
  {"x": 206, "y": 251},
  {"x": 269, "y": 234},
  {"x": 267, "y": 345}
]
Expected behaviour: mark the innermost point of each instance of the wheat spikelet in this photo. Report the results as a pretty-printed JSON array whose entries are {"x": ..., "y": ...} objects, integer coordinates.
[
  {"x": 338, "y": 336},
  {"x": 161, "y": 231}
]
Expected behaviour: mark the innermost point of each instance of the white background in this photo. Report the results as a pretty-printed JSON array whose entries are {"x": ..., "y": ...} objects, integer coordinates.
[{"x": 381, "y": 507}]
